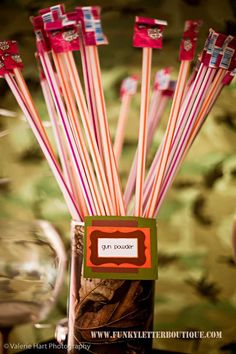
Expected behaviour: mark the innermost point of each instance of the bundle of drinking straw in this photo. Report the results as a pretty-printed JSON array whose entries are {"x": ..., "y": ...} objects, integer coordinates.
[{"x": 85, "y": 161}]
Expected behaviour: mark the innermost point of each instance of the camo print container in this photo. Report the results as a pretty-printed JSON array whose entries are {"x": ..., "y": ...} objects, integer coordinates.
[{"x": 111, "y": 308}]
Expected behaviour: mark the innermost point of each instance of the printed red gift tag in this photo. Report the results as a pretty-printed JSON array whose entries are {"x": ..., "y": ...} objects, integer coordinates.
[
  {"x": 148, "y": 32},
  {"x": 189, "y": 40},
  {"x": 89, "y": 16}
]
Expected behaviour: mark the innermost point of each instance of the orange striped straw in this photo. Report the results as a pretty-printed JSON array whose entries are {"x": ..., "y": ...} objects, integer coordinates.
[
  {"x": 60, "y": 143},
  {"x": 142, "y": 140},
  {"x": 31, "y": 106},
  {"x": 65, "y": 158},
  {"x": 90, "y": 95},
  {"x": 174, "y": 113},
  {"x": 208, "y": 102},
  {"x": 74, "y": 121},
  {"x": 47, "y": 149},
  {"x": 110, "y": 165},
  {"x": 84, "y": 113},
  {"x": 29, "y": 101},
  {"x": 120, "y": 130}
]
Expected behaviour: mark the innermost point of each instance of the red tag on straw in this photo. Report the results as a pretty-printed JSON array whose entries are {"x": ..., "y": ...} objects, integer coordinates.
[
  {"x": 148, "y": 32},
  {"x": 162, "y": 79},
  {"x": 57, "y": 10},
  {"x": 91, "y": 25},
  {"x": 9, "y": 47},
  {"x": 3, "y": 69},
  {"x": 87, "y": 27},
  {"x": 208, "y": 47},
  {"x": 227, "y": 59},
  {"x": 53, "y": 17},
  {"x": 10, "y": 57},
  {"x": 232, "y": 66},
  {"x": 228, "y": 77},
  {"x": 9, "y": 62},
  {"x": 189, "y": 40},
  {"x": 129, "y": 86},
  {"x": 43, "y": 44},
  {"x": 219, "y": 50},
  {"x": 169, "y": 92},
  {"x": 65, "y": 40},
  {"x": 12, "y": 61},
  {"x": 62, "y": 33},
  {"x": 73, "y": 16}
]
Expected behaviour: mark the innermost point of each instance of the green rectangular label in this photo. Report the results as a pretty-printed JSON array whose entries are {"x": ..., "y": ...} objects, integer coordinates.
[{"x": 120, "y": 248}]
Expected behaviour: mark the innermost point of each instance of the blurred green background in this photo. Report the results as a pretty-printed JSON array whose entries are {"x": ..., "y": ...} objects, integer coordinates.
[{"x": 196, "y": 287}]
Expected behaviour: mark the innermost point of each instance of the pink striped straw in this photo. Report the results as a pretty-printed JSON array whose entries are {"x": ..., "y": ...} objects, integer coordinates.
[
  {"x": 187, "y": 104},
  {"x": 81, "y": 103},
  {"x": 153, "y": 117},
  {"x": 157, "y": 118},
  {"x": 186, "y": 108},
  {"x": 184, "y": 137},
  {"x": 178, "y": 95},
  {"x": 142, "y": 142},
  {"x": 187, "y": 50},
  {"x": 67, "y": 168},
  {"x": 128, "y": 89},
  {"x": 214, "y": 91},
  {"x": 89, "y": 91},
  {"x": 110, "y": 165},
  {"x": 155, "y": 114},
  {"x": 46, "y": 150},
  {"x": 28, "y": 99},
  {"x": 120, "y": 129},
  {"x": 57, "y": 134},
  {"x": 76, "y": 159},
  {"x": 60, "y": 63},
  {"x": 205, "y": 110}
]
